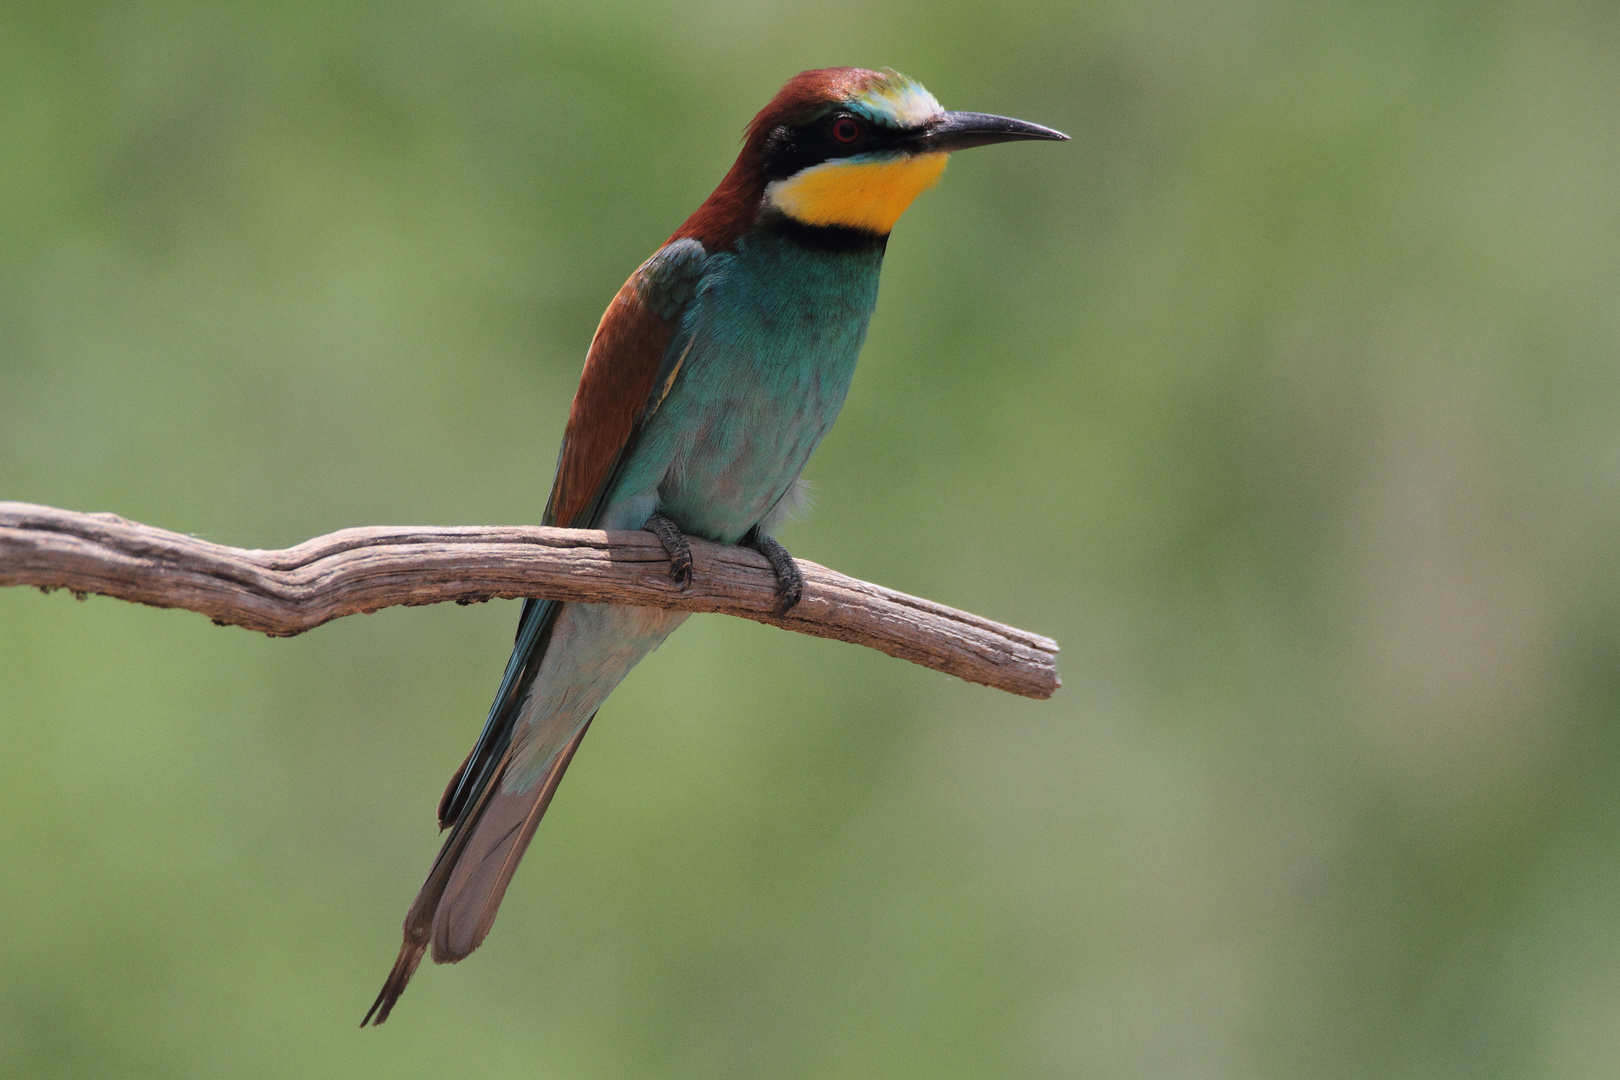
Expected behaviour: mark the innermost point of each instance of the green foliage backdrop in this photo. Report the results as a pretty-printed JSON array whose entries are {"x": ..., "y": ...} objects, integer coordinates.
[{"x": 1285, "y": 397}]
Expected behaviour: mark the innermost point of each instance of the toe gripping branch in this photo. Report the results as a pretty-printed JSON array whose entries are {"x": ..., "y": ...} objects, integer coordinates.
[
  {"x": 789, "y": 581},
  {"x": 680, "y": 552}
]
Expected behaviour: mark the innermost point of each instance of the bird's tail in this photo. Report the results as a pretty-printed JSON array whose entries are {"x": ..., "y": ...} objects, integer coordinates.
[
  {"x": 496, "y": 799},
  {"x": 457, "y": 904}
]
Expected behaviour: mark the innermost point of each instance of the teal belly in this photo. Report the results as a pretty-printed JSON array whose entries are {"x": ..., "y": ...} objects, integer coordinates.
[{"x": 770, "y": 345}]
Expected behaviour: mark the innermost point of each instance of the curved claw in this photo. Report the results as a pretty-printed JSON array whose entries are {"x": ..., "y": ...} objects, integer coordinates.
[
  {"x": 792, "y": 593},
  {"x": 680, "y": 552},
  {"x": 789, "y": 579}
]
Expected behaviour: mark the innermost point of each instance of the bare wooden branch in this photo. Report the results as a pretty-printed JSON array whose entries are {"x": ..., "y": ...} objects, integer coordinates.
[{"x": 291, "y": 590}]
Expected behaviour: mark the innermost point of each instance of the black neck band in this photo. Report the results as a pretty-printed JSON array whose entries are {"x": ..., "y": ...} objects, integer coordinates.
[{"x": 836, "y": 238}]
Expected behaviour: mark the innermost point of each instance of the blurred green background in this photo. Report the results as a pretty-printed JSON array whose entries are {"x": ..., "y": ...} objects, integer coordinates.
[{"x": 1285, "y": 397}]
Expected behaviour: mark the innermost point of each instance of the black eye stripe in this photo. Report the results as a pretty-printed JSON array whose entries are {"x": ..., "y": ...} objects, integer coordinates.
[{"x": 792, "y": 147}]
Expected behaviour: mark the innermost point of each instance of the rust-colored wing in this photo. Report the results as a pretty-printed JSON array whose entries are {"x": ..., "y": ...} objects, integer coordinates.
[
  {"x": 625, "y": 363},
  {"x": 621, "y": 370},
  {"x": 489, "y": 830}
]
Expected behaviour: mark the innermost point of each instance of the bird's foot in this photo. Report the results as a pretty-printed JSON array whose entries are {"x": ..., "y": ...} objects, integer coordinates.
[
  {"x": 680, "y": 552},
  {"x": 789, "y": 580}
]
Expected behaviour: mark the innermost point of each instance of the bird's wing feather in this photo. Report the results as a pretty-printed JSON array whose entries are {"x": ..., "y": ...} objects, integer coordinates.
[
  {"x": 628, "y": 371},
  {"x": 620, "y": 380}
]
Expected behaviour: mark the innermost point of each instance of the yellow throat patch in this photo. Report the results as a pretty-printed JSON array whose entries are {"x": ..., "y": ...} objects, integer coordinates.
[{"x": 868, "y": 195}]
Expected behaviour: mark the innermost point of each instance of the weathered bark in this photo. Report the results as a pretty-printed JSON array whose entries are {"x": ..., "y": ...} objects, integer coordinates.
[{"x": 291, "y": 590}]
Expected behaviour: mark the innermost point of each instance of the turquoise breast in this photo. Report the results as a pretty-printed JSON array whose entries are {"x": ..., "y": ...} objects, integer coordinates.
[{"x": 768, "y": 347}]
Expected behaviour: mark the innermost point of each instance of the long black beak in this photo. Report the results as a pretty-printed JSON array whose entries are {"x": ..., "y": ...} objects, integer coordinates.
[{"x": 961, "y": 130}]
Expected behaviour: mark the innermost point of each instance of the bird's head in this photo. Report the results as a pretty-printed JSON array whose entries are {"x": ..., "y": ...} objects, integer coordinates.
[{"x": 849, "y": 148}]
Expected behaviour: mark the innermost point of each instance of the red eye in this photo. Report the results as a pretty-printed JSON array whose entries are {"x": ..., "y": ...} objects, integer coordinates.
[{"x": 845, "y": 130}]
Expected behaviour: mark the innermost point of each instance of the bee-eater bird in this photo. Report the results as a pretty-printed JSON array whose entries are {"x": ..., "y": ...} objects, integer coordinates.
[{"x": 712, "y": 376}]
